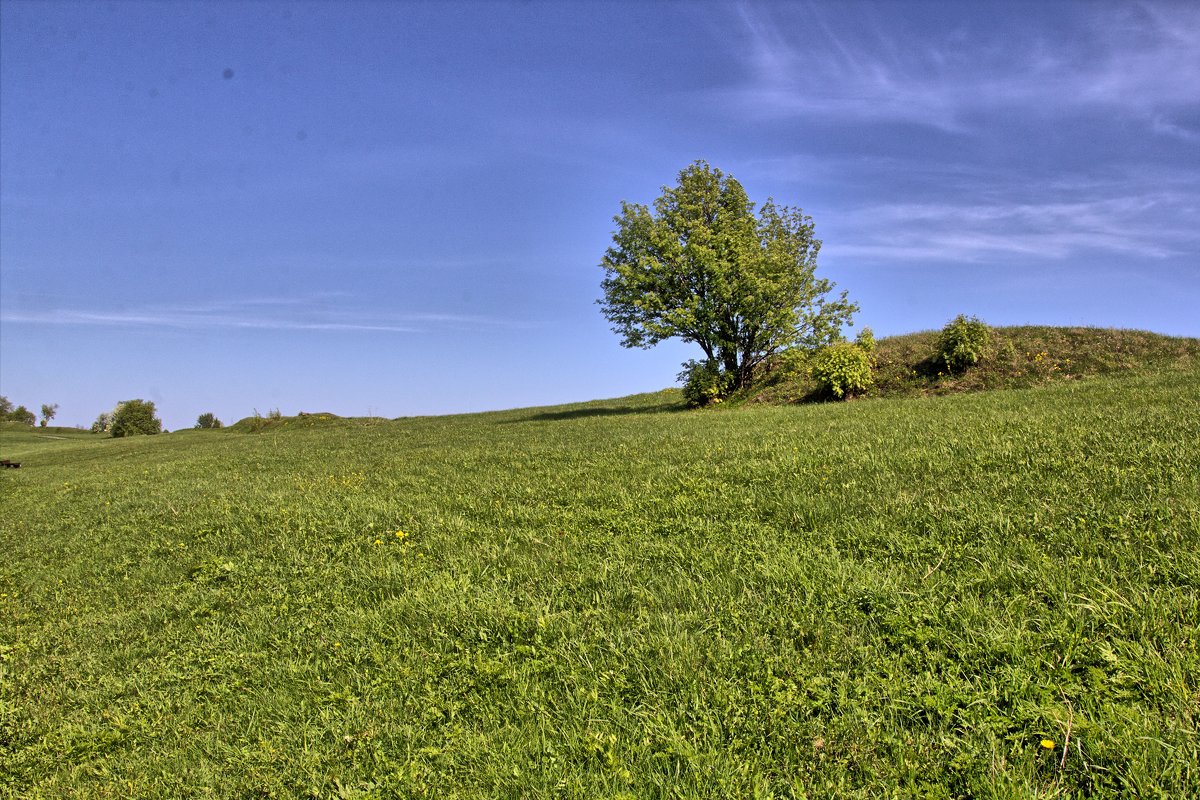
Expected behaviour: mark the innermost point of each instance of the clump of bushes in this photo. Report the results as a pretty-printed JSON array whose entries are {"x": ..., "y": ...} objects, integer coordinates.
[
  {"x": 20, "y": 414},
  {"x": 704, "y": 382},
  {"x": 843, "y": 369},
  {"x": 962, "y": 343}
]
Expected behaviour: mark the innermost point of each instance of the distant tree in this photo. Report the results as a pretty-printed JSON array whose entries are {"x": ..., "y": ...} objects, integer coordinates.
[
  {"x": 22, "y": 415},
  {"x": 6, "y": 407},
  {"x": 207, "y": 420},
  {"x": 703, "y": 268},
  {"x": 103, "y": 422},
  {"x": 48, "y": 412},
  {"x": 134, "y": 417}
]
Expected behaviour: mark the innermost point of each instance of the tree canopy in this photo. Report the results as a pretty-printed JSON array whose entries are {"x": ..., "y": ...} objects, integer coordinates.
[
  {"x": 134, "y": 417},
  {"x": 208, "y": 420},
  {"x": 48, "y": 412},
  {"x": 702, "y": 267}
]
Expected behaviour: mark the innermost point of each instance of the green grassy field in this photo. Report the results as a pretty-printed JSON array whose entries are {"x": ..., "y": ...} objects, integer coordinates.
[{"x": 993, "y": 594}]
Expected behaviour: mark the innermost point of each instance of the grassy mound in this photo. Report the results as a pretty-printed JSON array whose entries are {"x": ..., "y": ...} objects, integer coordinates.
[
  {"x": 258, "y": 424},
  {"x": 1016, "y": 358}
]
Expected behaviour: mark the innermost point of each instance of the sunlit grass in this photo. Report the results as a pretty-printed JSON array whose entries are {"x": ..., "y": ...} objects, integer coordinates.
[{"x": 907, "y": 597}]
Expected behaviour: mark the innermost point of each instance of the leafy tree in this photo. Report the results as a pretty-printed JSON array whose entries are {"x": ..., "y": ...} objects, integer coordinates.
[
  {"x": 103, "y": 422},
  {"x": 48, "y": 412},
  {"x": 22, "y": 415},
  {"x": 703, "y": 268},
  {"x": 134, "y": 417},
  {"x": 6, "y": 407},
  {"x": 208, "y": 420}
]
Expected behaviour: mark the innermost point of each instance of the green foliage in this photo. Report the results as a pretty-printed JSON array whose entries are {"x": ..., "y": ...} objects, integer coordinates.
[
  {"x": 703, "y": 268},
  {"x": 790, "y": 364},
  {"x": 103, "y": 422},
  {"x": 22, "y": 415},
  {"x": 48, "y": 412},
  {"x": 207, "y": 421},
  {"x": 842, "y": 369},
  {"x": 866, "y": 340},
  {"x": 134, "y": 418},
  {"x": 962, "y": 343},
  {"x": 704, "y": 382}
]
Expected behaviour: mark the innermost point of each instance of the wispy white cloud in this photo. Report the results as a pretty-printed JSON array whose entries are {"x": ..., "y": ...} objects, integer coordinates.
[
  {"x": 1148, "y": 225},
  {"x": 907, "y": 209},
  {"x": 1142, "y": 60},
  {"x": 270, "y": 314},
  {"x": 1165, "y": 127}
]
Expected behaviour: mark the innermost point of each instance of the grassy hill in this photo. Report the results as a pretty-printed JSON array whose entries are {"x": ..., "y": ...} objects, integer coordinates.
[
  {"x": 992, "y": 594},
  {"x": 1015, "y": 358}
]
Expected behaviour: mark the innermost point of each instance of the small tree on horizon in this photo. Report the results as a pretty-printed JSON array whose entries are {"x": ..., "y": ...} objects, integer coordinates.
[
  {"x": 48, "y": 412},
  {"x": 103, "y": 422},
  {"x": 208, "y": 420},
  {"x": 703, "y": 268}
]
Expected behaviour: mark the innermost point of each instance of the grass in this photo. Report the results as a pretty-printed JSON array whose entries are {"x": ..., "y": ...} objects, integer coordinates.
[{"x": 897, "y": 598}]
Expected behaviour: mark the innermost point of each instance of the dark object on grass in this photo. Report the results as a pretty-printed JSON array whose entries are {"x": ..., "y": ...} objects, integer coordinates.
[{"x": 6, "y": 464}]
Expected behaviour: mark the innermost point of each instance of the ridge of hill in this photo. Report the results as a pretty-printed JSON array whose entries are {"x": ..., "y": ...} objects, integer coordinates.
[{"x": 1017, "y": 357}]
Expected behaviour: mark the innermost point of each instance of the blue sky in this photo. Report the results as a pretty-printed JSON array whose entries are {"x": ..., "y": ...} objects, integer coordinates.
[{"x": 400, "y": 208}]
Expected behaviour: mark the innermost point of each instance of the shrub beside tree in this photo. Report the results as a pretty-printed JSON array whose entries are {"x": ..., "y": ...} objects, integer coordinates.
[{"x": 843, "y": 369}]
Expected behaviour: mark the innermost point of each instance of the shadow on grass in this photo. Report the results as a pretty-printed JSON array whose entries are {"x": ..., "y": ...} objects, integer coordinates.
[{"x": 601, "y": 411}]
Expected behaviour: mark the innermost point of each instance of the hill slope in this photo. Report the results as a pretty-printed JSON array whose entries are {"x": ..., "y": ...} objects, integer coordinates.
[
  {"x": 1016, "y": 358},
  {"x": 902, "y": 597}
]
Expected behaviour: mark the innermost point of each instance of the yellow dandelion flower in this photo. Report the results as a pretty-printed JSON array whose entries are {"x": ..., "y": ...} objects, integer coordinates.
[{"x": 1048, "y": 744}]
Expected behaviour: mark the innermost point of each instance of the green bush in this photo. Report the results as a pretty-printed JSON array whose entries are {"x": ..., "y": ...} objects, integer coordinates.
[
  {"x": 208, "y": 420},
  {"x": 842, "y": 369},
  {"x": 134, "y": 417},
  {"x": 866, "y": 340},
  {"x": 704, "y": 382},
  {"x": 789, "y": 364},
  {"x": 962, "y": 343}
]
